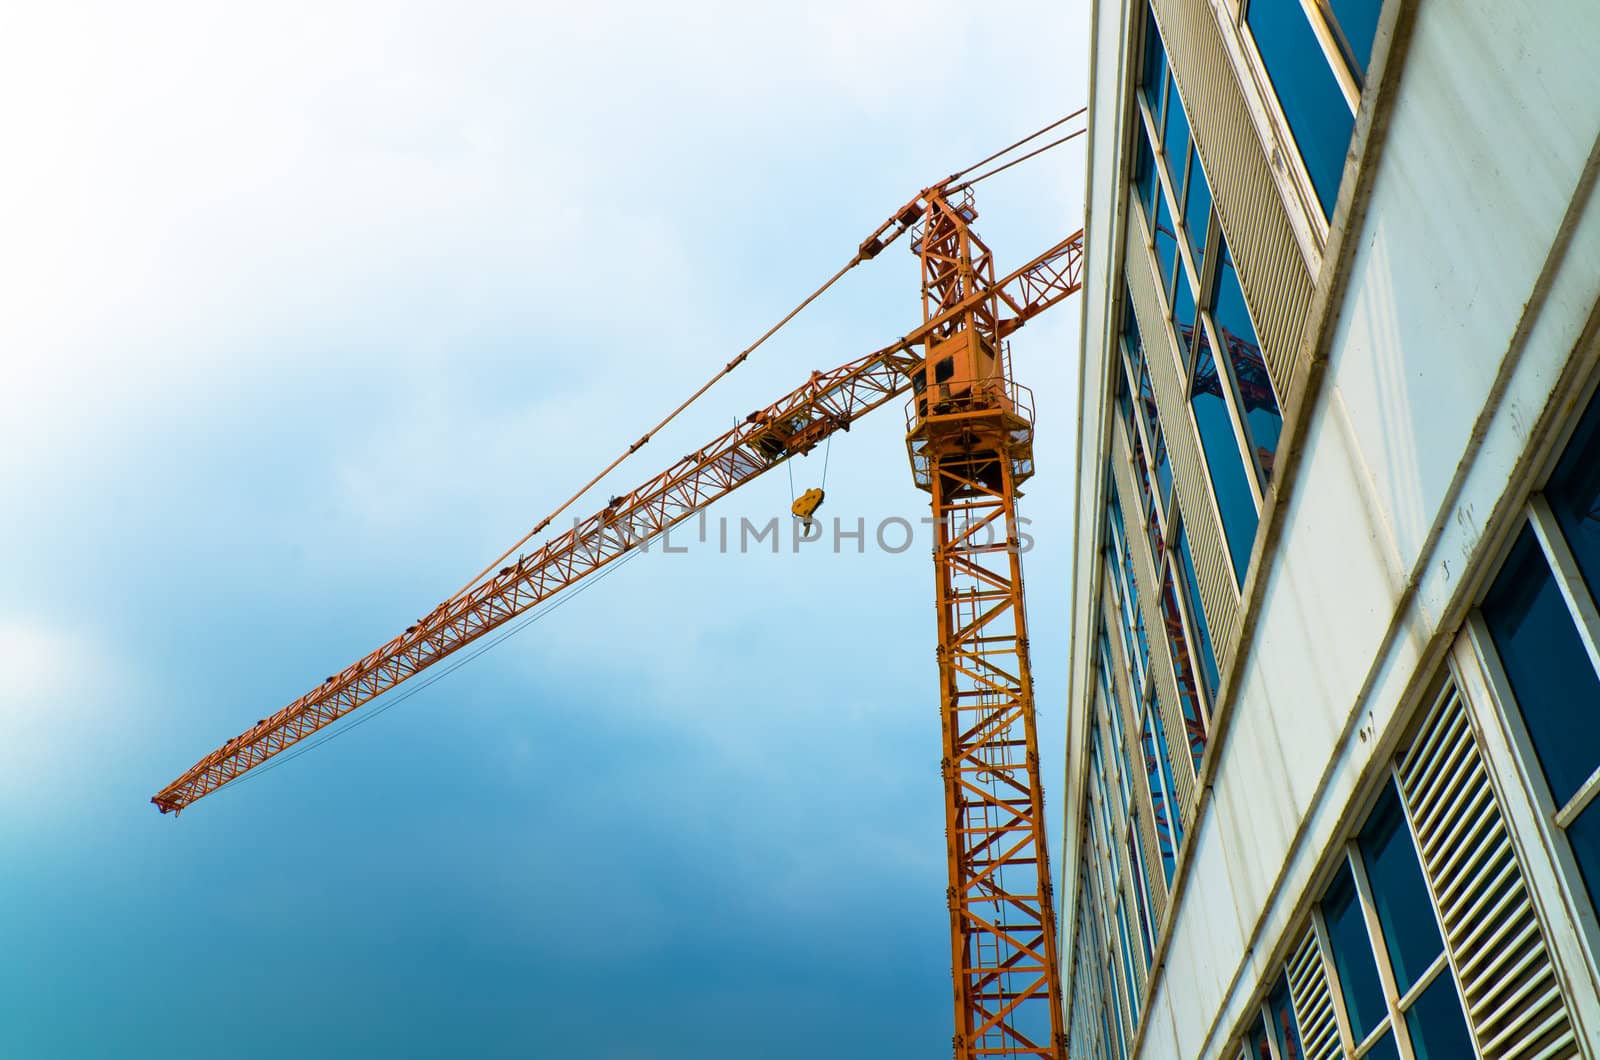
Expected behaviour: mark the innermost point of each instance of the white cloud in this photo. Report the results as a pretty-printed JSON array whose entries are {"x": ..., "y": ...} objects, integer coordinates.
[{"x": 53, "y": 700}]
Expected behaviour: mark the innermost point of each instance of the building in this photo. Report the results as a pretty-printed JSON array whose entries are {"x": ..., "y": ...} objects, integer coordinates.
[{"x": 1334, "y": 712}]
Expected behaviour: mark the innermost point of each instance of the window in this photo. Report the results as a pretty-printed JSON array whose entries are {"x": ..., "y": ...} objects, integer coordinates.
[
  {"x": 1280, "y": 1015},
  {"x": 1191, "y": 587},
  {"x": 1388, "y": 954},
  {"x": 1236, "y": 334},
  {"x": 1229, "y": 484},
  {"x": 1115, "y": 902},
  {"x": 1352, "y": 957},
  {"x": 1175, "y": 595},
  {"x": 1194, "y": 720},
  {"x": 1158, "y": 774},
  {"x": 1232, "y": 401},
  {"x": 1308, "y": 77},
  {"x": 1275, "y": 1035},
  {"x": 1140, "y": 900},
  {"x": 1126, "y": 588},
  {"x": 1357, "y": 23},
  {"x": 1549, "y": 651}
]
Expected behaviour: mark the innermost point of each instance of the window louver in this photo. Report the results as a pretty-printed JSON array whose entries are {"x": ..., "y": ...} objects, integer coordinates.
[
  {"x": 1313, "y": 1001},
  {"x": 1508, "y": 983}
]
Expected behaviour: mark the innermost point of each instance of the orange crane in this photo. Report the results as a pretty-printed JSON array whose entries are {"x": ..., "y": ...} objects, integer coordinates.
[{"x": 970, "y": 440}]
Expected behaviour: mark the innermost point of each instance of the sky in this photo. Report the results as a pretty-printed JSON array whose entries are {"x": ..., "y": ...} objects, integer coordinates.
[{"x": 312, "y": 309}]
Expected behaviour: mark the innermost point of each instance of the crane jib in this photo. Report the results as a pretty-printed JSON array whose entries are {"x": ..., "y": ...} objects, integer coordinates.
[{"x": 827, "y": 402}]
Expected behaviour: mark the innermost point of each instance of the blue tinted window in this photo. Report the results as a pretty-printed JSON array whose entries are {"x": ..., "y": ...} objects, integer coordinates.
[
  {"x": 1197, "y": 210},
  {"x": 1130, "y": 328},
  {"x": 1166, "y": 243},
  {"x": 1154, "y": 72},
  {"x": 1259, "y": 1048},
  {"x": 1410, "y": 932},
  {"x": 1358, "y": 21},
  {"x": 1549, "y": 671},
  {"x": 1124, "y": 402},
  {"x": 1352, "y": 956},
  {"x": 1197, "y": 614},
  {"x": 1284, "y": 1028},
  {"x": 1574, "y": 495},
  {"x": 1158, "y": 775},
  {"x": 1113, "y": 708},
  {"x": 1183, "y": 310},
  {"x": 1438, "y": 1029},
  {"x": 1228, "y": 482},
  {"x": 1250, "y": 378},
  {"x": 1584, "y": 835},
  {"x": 1127, "y": 961},
  {"x": 1144, "y": 173},
  {"x": 1175, "y": 138},
  {"x": 1312, "y": 101},
  {"x": 1194, "y": 722},
  {"x": 1140, "y": 881},
  {"x": 1163, "y": 464},
  {"x": 1136, "y": 639},
  {"x": 1385, "y": 1049}
]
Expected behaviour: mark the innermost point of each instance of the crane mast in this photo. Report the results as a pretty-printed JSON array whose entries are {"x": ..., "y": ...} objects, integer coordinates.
[{"x": 970, "y": 441}]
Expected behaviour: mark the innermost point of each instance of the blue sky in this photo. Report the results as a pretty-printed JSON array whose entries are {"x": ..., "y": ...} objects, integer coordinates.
[{"x": 313, "y": 310}]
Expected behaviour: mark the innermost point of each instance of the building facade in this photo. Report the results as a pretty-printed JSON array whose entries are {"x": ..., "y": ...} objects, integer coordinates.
[{"x": 1334, "y": 712}]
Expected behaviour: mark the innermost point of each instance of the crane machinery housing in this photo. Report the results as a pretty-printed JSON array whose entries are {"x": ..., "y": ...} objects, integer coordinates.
[{"x": 969, "y": 436}]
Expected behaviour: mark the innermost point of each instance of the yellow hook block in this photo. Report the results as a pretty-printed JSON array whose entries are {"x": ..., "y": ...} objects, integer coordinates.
[{"x": 808, "y": 503}]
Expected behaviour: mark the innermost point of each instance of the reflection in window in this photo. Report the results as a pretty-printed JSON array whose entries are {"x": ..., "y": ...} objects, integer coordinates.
[
  {"x": 1284, "y": 1029},
  {"x": 1194, "y": 722},
  {"x": 1235, "y": 501},
  {"x": 1158, "y": 774},
  {"x": 1183, "y": 308},
  {"x": 1260, "y": 1049},
  {"x": 1191, "y": 587},
  {"x": 1319, "y": 117},
  {"x": 1166, "y": 243},
  {"x": 1254, "y": 386}
]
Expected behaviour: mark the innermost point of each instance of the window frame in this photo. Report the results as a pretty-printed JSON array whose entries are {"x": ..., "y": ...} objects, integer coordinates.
[
  {"x": 1183, "y": 359},
  {"x": 1553, "y": 819},
  {"x": 1396, "y": 1005},
  {"x": 1169, "y": 512},
  {"x": 1202, "y": 281}
]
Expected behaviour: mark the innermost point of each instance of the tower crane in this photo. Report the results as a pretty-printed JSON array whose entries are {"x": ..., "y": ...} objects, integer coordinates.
[{"x": 969, "y": 436}]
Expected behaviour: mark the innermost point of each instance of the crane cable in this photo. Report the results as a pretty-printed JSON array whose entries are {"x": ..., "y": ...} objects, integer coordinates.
[
  {"x": 744, "y": 354},
  {"x": 636, "y": 446},
  {"x": 1015, "y": 161},
  {"x": 1007, "y": 150},
  {"x": 726, "y": 369}
]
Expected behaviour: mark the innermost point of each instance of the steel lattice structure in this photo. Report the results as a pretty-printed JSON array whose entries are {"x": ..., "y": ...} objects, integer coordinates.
[
  {"x": 970, "y": 436},
  {"x": 970, "y": 441}
]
